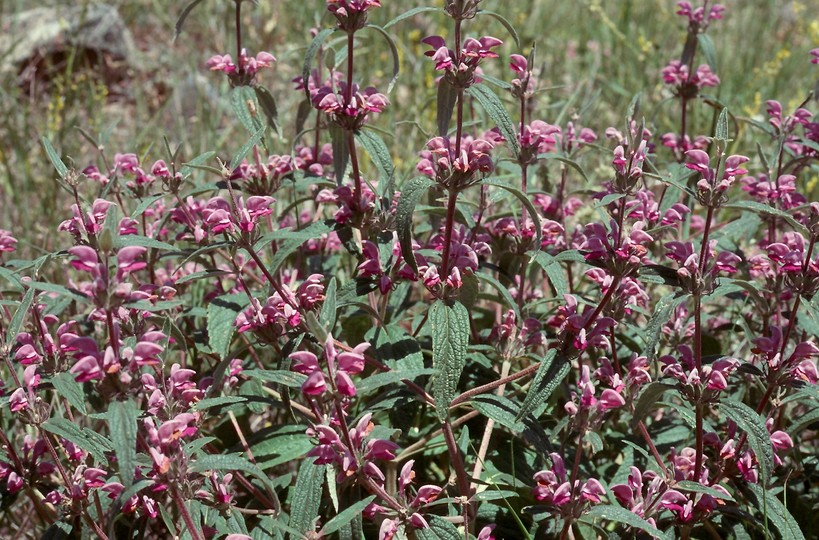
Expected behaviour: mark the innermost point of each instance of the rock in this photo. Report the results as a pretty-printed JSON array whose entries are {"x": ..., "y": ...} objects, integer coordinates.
[{"x": 48, "y": 36}]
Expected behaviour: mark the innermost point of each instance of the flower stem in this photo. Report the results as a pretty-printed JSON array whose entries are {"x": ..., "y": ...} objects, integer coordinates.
[{"x": 183, "y": 511}]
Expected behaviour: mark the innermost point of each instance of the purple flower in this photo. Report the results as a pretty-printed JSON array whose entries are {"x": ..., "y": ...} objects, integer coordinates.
[
  {"x": 698, "y": 15},
  {"x": 127, "y": 260},
  {"x": 245, "y": 71},
  {"x": 460, "y": 68},
  {"x": 7, "y": 241}
]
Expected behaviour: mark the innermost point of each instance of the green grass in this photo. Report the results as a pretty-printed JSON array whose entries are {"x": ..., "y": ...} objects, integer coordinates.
[{"x": 596, "y": 56}]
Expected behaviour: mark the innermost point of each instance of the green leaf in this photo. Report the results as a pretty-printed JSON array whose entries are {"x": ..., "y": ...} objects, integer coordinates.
[
  {"x": 708, "y": 50},
  {"x": 396, "y": 60},
  {"x": 696, "y": 487},
  {"x": 411, "y": 13},
  {"x": 246, "y": 106},
  {"x": 721, "y": 131},
  {"x": 247, "y": 147},
  {"x": 346, "y": 516},
  {"x": 71, "y": 390},
  {"x": 269, "y": 108},
  {"x": 222, "y": 312},
  {"x": 182, "y": 16},
  {"x": 58, "y": 531},
  {"x": 439, "y": 529},
  {"x": 281, "y": 444},
  {"x": 188, "y": 167},
  {"x": 445, "y": 104},
  {"x": 620, "y": 515},
  {"x": 524, "y": 199},
  {"x": 758, "y": 437},
  {"x": 19, "y": 317},
  {"x": 285, "y": 377},
  {"x": 549, "y": 375},
  {"x": 288, "y": 247},
  {"x": 500, "y": 409},
  {"x": 210, "y": 403},
  {"x": 311, "y": 232},
  {"x": 506, "y": 24},
  {"x": 450, "y": 338},
  {"x": 141, "y": 241},
  {"x": 567, "y": 161},
  {"x": 776, "y": 512},
  {"x": 411, "y": 193},
  {"x": 145, "y": 204},
  {"x": 503, "y": 291},
  {"x": 650, "y": 394},
  {"x": 57, "y": 289},
  {"x": 84, "y": 438},
  {"x": 553, "y": 270},
  {"x": 341, "y": 150},
  {"x": 663, "y": 311},
  {"x": 761, "y": 208},
  {"x": 54, "y": 157},
  {"x": 329, "y": 309},
  {"x": 122, "y": 423},
  {"x": 229, "y": 462},
  {"x": 379, "y": 380},
  {"x": 306, "y": 497},
  {"x": 380, "y": 156},
  {"x": 493, "y": 106},
  {"x": 314, "y": 47}
]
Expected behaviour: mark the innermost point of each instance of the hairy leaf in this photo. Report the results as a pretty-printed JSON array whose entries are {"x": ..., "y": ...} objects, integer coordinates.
[
  {"x": 524, "y": 199},
  {"x": 411, "y": 193},
  {"x": 618, "y": 514},
  {"x": 493, "y": 106},
  {"x": 71, "y": 390},
  {"x": 549, "y": 375},
  {"x": 306, "y": 497},
  {"x": 122, "y": 422},
  {"x": 776, "y": 512},
  {"x": 758, "y": 437},
  {"x": 445, "y": 104},
  {"x": 222, "y": 314},
  {"x": 450, "y": 338}
]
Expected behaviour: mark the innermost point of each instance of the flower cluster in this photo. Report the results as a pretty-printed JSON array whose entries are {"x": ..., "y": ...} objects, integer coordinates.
[{"x": 461, "y": 67}]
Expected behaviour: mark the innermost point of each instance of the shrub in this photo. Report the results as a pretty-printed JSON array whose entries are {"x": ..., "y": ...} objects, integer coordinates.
[{"x": 277, "y": 346}]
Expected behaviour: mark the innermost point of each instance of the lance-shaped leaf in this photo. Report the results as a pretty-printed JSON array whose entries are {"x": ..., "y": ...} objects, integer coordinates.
[
  {"x": 777, "y": 513},
  {"x": 445, "y": 104},
  {"x": 306, "y": 497},
  {"x": 339, "y": 138},
  {"x": 122, "y": 422},
  {"x": 758, "y": 437},
  {"x": 524, "y": 199},
  {"x": 246, "y": 106},
  {"x": 222, "y": 314},
  {"x": 396, "y": 62},
  {"x": 411, "y": 194},
  {"x": 380, "y": 156},
  {"x": 506, "y": 24},
  {"x": 618, "y": 514},
  {"x": 54, "y": 157},
  {"x": 493, "y": 106},
  {"x": 450, "y": 338},
  {"x": 314, "y": 47},
  {"x": 550, "y": 374}
]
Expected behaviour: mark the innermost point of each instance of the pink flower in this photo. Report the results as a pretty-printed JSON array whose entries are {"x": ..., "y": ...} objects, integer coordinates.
[
  {"x": 18, "y": 400},
  {"x": 698, "y": 15},
  {"x": 247, "y": 67},
  {"x": 127, "y": 260},
  {"x": 815, "y": 54},
  {"x": 7, "y": 241}
]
